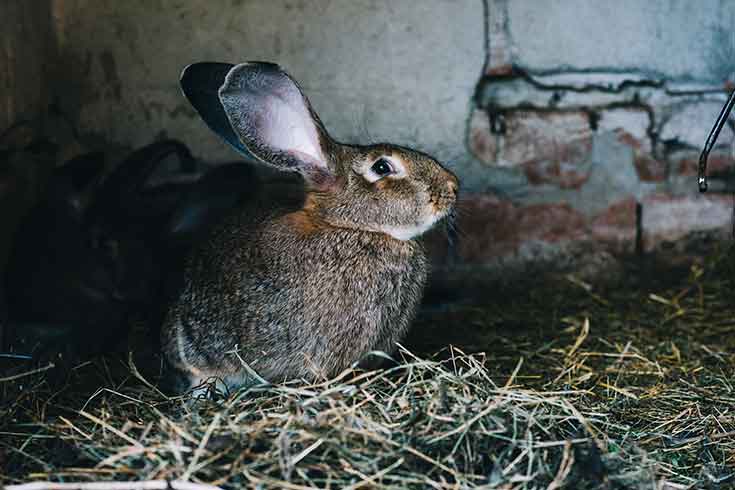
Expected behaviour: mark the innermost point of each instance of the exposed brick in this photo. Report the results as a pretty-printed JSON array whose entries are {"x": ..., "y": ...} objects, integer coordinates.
[
  {"x": 690, "y": 124},
  {"x": 550, "y": 147},
  {"x": 492, "y": 227},
  {"x": 616, "y": 225},
  {"x": 487, "y": 228},
  {"x": 630, "y": 124},
  {"x": 500, "y": 70},
  {"x": 669, "y": 218},
  {"x": 553, "y": 222},
  {"x": 534, "y": 136},
  {"x": 563, "y": 174},
  {"x": 482, "y": 143},
  {"x": 686, "y": 162},
  {"x": 649, "y": 169},
  {"x": 553, "y": 146}
]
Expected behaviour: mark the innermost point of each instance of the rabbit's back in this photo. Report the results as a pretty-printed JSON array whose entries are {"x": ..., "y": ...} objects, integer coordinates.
[{"x": 294, "y": 298}]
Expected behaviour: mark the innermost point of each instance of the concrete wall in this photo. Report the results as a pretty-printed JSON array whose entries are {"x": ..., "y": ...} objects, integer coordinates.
[
  {"x": 373, "y": 69},
  {"x": 25, "y": 43},
  {"x": 674, "y": 39}
]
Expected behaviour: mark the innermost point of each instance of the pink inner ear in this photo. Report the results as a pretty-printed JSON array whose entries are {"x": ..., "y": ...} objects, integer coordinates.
[
  {"x": 308, "y": 159},
  {"x": 272, "y": 117},
  {"x": 286, "y": 125}
]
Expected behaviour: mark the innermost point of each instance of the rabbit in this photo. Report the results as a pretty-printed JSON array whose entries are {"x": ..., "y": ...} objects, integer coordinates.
[
  {"x": 126, "y": 203},
  {"x": 64, "y": 284},
  {"x": 307, "y": 291},
  {"x": 86, "y": 258}
]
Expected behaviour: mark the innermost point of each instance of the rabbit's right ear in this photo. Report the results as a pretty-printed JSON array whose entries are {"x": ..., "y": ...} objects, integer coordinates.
[{"x": 274, "y": 120}]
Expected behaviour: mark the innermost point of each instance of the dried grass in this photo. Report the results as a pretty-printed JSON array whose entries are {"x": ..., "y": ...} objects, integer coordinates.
[{"x": 581, "y": 387}]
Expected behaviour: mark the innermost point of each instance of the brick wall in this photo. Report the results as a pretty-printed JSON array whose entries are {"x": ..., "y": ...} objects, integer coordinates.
[{"x": 592, "y": 115}]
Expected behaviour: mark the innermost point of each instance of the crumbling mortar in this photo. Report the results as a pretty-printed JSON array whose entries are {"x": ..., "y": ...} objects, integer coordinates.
[
  {"x": 659, "y": 149},
  {"x": 518, "y": 73},
  {"x": 497, "y": 116},
  {"x": 558, "y": 90}
]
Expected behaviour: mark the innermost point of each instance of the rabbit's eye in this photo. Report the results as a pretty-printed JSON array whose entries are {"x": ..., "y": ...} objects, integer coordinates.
[{"x": 382, "y": 167}]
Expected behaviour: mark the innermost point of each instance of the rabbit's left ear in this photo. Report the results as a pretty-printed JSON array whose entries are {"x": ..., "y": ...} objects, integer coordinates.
[
  {"x": 274, "y": 120},
  {"x": 200, "y": 83}
]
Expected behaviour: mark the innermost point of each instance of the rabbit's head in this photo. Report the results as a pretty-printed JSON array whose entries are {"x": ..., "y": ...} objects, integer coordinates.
[{"x": 381, "y": 188}]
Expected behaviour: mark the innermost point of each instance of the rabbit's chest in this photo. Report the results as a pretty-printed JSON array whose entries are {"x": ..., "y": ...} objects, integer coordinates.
[
  {"x": 351, "y": 297},
  {"x": 359, "y": 278}
]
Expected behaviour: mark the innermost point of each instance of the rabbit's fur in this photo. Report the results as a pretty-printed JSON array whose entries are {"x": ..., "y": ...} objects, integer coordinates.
[{"x": 305, "y": 292}]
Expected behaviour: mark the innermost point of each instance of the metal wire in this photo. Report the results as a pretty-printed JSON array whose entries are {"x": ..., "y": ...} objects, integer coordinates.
[{"x": 711, "y": 140}]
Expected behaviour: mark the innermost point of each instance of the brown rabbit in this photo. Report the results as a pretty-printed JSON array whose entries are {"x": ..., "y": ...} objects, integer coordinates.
[{"x": 306, "y": 292}]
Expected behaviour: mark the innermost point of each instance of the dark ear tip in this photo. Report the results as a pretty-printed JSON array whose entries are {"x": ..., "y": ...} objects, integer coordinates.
[
  {"x": 263, "y": 67},
  {"x": 266, "y": 64},
  {"x": 204, "y": 75},
  {"x": 200, "y": 83},
  {"x": 210, "y": 75},
  {"x": 186, "y": 73}
]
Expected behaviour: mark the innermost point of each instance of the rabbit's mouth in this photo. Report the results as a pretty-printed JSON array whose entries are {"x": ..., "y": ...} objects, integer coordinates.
[{"x": 409, "y": 232}]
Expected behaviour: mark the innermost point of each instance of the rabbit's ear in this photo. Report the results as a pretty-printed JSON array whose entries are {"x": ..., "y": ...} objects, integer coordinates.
[
  {"x": 200, "y": 83},
  {"x": 274, "y": 120}
]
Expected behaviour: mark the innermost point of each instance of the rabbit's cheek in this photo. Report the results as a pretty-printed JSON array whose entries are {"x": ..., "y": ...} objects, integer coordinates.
[{"x": 442, "y": 203}]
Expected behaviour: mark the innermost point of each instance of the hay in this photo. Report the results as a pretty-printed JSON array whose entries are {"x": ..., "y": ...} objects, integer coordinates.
[
  {"x": 420, "y": 424},
  {"x": 581, "y": 387}
]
